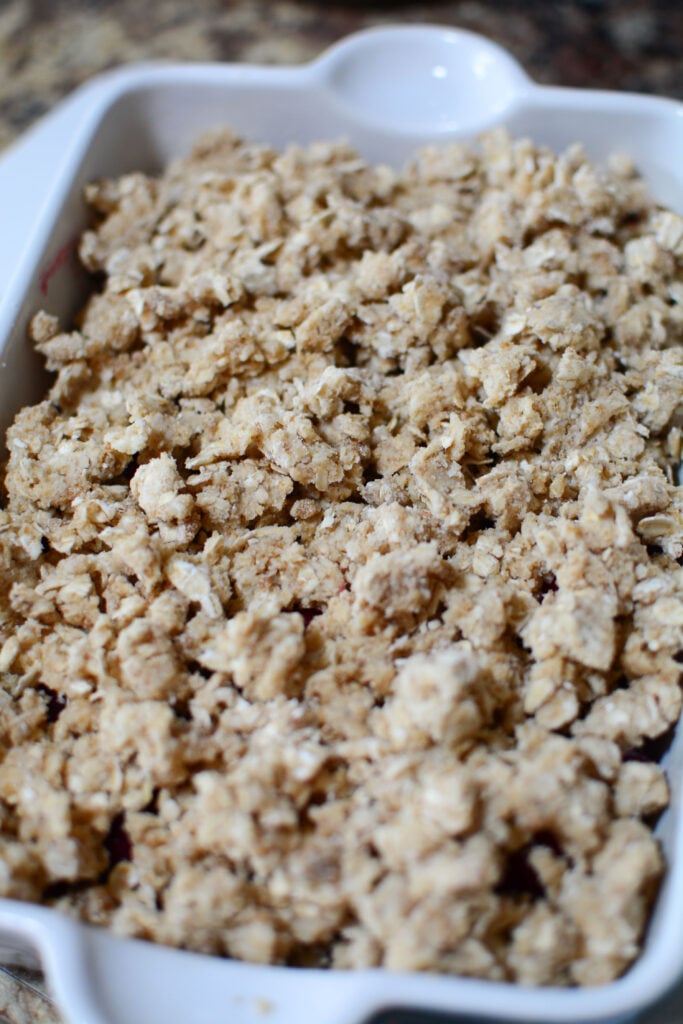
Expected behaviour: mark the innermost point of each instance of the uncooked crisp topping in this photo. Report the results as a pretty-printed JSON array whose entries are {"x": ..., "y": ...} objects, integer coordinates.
[{"x": 341, "y": 585}]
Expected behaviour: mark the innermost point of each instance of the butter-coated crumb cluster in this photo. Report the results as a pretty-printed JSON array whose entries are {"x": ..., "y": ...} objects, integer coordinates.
[{"x": 341, "y": 600}]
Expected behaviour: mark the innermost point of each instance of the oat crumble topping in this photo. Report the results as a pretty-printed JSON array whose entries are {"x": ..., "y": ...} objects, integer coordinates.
[{"x": 340, "y": 568}]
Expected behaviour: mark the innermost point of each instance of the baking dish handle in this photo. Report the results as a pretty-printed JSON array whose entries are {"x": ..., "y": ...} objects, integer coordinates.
[
  {"x": 422, "y": 79},
  {"x": 97, "y": 978}
]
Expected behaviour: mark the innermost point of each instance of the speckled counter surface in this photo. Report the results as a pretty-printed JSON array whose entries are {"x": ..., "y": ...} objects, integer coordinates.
[{"x": 48, "y": 47}]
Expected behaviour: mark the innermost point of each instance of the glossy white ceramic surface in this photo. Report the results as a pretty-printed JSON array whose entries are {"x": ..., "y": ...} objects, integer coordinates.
[{"x": 389, "y": 91}]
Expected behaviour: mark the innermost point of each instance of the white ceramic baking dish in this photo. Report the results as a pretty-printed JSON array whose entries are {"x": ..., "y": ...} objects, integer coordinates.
[{"x": 388, "y": 90}]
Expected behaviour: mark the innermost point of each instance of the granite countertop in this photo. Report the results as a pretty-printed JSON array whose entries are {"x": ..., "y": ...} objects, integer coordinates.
[{"x": 48, "y": 47}]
